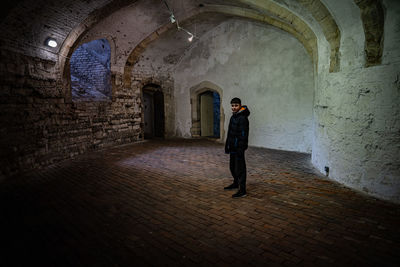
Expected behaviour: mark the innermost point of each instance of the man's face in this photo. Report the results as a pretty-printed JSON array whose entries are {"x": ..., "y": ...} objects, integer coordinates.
[{"x": 235, "y": 107}]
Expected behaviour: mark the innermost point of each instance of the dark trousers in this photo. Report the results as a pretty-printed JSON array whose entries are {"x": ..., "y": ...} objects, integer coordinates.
[{"x": 237, "y": 165}]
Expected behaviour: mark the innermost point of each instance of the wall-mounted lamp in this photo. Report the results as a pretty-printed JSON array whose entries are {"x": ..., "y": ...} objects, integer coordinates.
[
  {"x": 173, "y": 20},
  {"x": 191, "y": 37},
  {"x": 51, "y": 42}
]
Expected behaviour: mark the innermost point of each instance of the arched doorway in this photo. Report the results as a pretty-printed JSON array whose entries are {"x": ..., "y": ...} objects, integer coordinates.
[
  {"x": 153, "y": 111},
  {"x": 210, "y": 114},
  {"x": 210, "y": 96}
]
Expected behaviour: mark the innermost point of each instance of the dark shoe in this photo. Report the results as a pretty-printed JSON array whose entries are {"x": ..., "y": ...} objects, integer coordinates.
[
  {"x": 239, "y": 194},
  {"x": 231, "y": 187}
]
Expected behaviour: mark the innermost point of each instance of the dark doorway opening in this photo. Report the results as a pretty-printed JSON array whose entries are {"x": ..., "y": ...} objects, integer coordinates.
[
  {"x": 210, "y": 114},
  {"x": 153, "y": 109}
]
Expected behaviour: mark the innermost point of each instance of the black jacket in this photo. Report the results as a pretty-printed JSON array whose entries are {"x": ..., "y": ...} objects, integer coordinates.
[{"x": 238, "y": 131}]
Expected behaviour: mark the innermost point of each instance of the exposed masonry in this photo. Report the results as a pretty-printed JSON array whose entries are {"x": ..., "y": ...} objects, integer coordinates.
[
  {"x": 373, "y": 20},
  {"x": 90, "y": 75},
  {"x": 24, "y": 34},
  {"x": 74, "y": 36},
  {"x": 43, "y": 128},
  {"x": 135, "y": 55}
]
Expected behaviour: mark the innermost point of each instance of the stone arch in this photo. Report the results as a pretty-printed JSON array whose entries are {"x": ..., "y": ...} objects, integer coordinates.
[
  {"x": 294, "y": 26},
  {"x": 65, "y": 70},
  {"x": 195, "y": 93},
  {"x": 74, "y": 39},
  {"x": 111, "y": 40},
  {"x": 329, "y": 27}
]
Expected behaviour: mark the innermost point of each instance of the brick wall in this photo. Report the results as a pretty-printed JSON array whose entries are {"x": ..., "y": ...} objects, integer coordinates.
[
  {"x": 39, "y": 127},
  {"x": 90, "y": 72}
]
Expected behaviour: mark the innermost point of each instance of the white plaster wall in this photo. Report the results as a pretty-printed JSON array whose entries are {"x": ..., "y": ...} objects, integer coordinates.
[
  {"x": 267, "y": 68},
  {"x": 357, "y": 118},
  {"x": 357, "y": 125},
  {"x": 391, "y": 51}
]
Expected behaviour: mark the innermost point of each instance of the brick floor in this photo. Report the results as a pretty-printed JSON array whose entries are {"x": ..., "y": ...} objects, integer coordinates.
[{"x": 162, "y": 203}]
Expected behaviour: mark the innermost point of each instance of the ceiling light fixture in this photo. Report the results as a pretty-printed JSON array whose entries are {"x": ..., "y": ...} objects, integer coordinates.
[
  {"x": 51, "y": 42},
  {"x": 173, "y": 20}
]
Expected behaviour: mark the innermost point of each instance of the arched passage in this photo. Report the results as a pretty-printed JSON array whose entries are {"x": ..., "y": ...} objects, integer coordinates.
[{"x": 207, "y": 112}]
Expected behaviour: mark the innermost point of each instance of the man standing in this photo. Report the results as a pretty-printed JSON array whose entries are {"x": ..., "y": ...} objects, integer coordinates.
[{"x": 236, "y": 144}]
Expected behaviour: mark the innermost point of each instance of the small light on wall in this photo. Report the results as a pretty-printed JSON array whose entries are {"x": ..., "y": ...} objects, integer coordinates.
[
  {"x": 191, "y": 35},
  {"x": 51, "y": 42},
  {"x": 190, "y": 38},
  {"x": 172, "y": 18}
]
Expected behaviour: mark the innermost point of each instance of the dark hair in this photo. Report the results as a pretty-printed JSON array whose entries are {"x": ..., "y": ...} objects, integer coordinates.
[{"x": 236, "y": 100}]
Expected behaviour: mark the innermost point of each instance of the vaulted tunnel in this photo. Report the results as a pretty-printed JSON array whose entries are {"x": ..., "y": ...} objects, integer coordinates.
[{"x": 320, "y": 78}]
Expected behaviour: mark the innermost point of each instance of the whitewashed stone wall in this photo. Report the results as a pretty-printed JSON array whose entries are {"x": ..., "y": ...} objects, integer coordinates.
[
  {"x": 267, "y": 68},
  {"x": 357, "y": 114},
  {"x": 357, "y": 129}
]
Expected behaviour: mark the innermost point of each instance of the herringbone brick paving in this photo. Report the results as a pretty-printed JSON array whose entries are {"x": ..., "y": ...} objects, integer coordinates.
[{"x": 162, "y": 203}]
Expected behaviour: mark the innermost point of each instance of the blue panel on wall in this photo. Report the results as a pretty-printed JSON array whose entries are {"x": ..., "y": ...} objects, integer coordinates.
[{"x": 217, "y": 115}]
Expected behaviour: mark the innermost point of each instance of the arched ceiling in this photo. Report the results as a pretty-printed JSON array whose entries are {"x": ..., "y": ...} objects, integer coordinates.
[
  {"x": 133, "y": 28},
  {"x": 131, "y": 25},
  {"x": 172, "y": 43}
]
